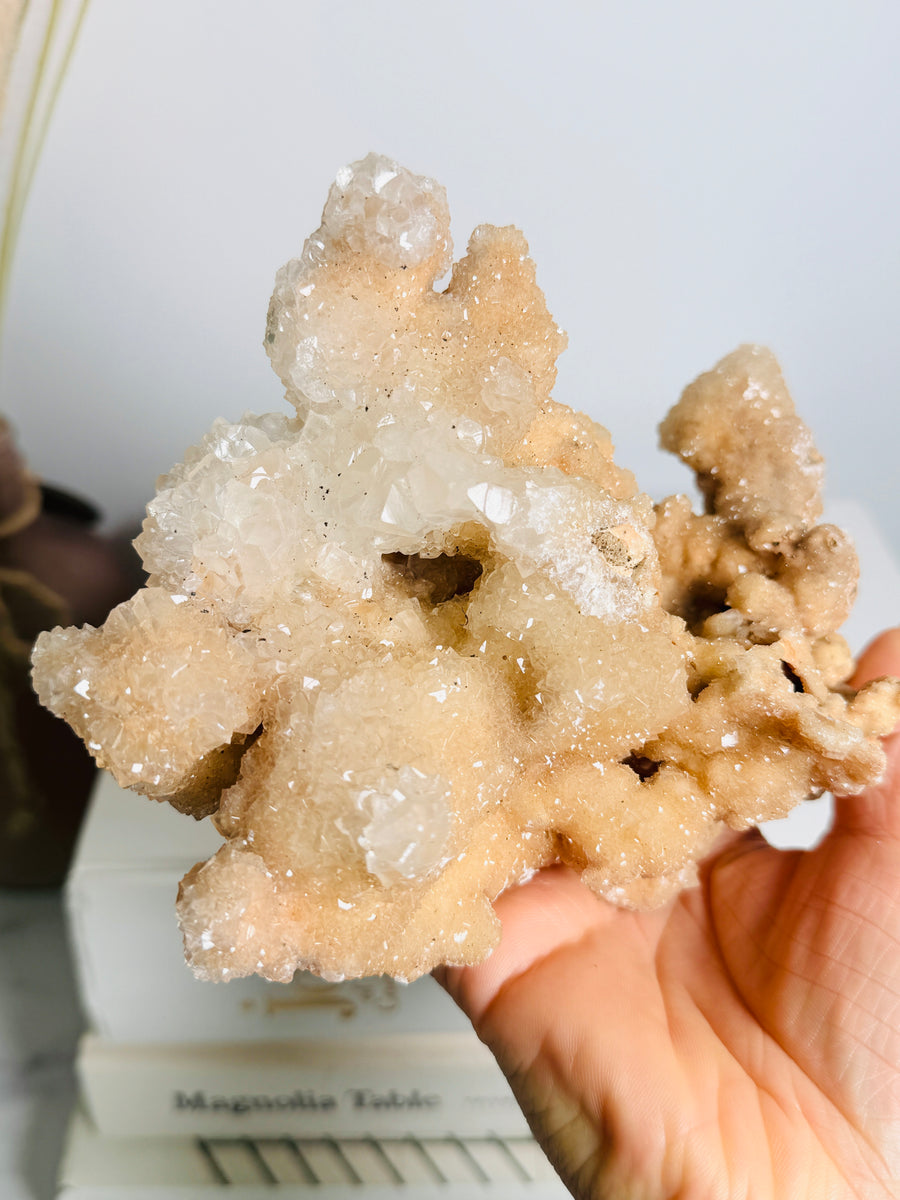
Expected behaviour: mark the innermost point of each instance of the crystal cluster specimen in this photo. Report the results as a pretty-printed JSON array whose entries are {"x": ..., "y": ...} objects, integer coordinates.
[{"x": 424, "y": 636}]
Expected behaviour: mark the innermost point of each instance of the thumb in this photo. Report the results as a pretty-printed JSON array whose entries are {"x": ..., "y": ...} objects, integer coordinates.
[
  {"x": 875, "y": 812},
  {"x": 881, "y": 657}
]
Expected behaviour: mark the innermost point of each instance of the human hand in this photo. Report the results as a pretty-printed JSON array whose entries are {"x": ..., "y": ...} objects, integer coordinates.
[{"x": 743, "y": 1041}]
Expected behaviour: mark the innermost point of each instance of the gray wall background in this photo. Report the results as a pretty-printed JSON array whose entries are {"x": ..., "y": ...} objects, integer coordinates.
[{"x": 689, "y": 177}]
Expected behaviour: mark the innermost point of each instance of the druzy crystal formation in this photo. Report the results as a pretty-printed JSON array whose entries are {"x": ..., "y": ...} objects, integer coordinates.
[{"x": 424, "y": 636}]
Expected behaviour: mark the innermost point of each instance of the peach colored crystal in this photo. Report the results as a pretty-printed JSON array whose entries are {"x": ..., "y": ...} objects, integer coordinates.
[{"x": 424, "y": 636}]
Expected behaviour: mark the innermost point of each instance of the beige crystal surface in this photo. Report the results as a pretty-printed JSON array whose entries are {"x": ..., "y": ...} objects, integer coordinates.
[{"x": 424, "y": 636}]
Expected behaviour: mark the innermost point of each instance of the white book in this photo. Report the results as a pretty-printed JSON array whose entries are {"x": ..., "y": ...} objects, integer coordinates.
[
  {"x": 134, "y": 983},
  {"x": 386, "y": 1085},
  {"x": 99, "y": 1167}
]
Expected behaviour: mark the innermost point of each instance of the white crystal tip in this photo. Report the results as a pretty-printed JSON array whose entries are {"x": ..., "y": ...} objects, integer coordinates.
[{"x": 378, "y": 207}]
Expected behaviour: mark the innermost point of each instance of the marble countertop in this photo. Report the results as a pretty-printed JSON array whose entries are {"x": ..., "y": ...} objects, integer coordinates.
[{"x": 40, "y": 1020}]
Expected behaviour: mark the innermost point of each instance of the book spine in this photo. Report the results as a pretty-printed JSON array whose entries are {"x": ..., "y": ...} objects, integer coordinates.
[{"x": 186, "y": 1095}]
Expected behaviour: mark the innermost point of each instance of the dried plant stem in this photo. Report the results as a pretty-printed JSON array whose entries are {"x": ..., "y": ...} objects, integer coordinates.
[{"x": 34, "y": 126}]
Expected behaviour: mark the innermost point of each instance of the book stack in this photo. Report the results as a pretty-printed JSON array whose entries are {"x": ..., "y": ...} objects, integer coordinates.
[{"x": 306, "y": 1084}]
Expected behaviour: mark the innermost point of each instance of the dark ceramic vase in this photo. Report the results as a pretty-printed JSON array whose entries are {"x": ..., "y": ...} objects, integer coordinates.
[{"x": 54, "y": 570}]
